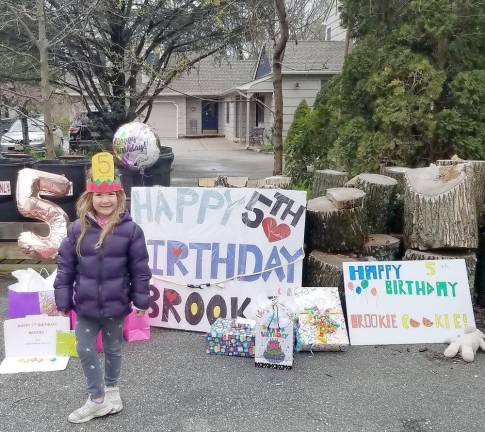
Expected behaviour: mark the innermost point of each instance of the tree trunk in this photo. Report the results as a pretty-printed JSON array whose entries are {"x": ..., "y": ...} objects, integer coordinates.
[
  {"x": 45, "y": 87},
  {"x": 25, "y": 129},
  {"x": 396, "y": 222},
  {"x": 325, "y": 179},
  {"x": 334, "y": 230},
  {"x": 382, "y": 247},
  {"x": 438, "y": 213},
  {"x": 469, "y": 257},
  {"x": 380, "y": 192},
  {"x": 278, "y": 55}
]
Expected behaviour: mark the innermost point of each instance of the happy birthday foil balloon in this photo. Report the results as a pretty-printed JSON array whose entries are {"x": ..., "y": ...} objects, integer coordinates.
[
  {"x": 136, "y": 146},
  {"x": 30, "y": 183}
]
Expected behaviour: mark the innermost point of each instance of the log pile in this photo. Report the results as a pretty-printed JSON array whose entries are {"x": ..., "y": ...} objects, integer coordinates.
[{"x": 396, "y": 222}]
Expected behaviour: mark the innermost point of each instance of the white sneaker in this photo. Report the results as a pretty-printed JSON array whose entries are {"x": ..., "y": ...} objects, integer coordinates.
[
  {"x": 89, "y": 411},
  {"x": 112, "y": 395}
]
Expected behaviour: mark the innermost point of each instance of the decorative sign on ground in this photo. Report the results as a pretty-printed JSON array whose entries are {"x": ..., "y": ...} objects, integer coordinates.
[
  {"x": 30, "y": 344},
  {"x": 404, "y": 302},
  {"x": 212, "y": 250}
]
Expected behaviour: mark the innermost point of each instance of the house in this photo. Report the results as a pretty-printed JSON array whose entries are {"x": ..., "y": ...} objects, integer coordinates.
[
  {"x": 233, "y": 98},
  {"x": 333, "y": 28}
]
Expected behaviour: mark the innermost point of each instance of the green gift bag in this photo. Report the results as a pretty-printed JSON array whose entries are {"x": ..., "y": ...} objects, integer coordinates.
[{"x": 66, "y": 343}]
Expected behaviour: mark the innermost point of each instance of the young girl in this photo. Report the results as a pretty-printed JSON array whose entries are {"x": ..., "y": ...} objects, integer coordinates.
[{"x": 102, "y": 271}]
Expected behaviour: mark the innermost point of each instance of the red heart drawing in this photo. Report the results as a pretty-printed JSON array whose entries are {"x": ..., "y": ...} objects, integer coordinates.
[
  {"x": 171, "y": 296},
  {"x": 273, "y": 231},
  {"x": 177, "y": 251}
]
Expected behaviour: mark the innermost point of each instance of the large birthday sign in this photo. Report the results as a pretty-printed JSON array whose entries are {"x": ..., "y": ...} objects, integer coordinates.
[
  {"x": 213, "y": 250},
  {"x": 404, "y": 302}
]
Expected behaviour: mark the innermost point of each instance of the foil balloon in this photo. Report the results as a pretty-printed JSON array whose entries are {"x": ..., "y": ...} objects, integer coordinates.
[
  {"x": 136, "y": 146},
  {"x": 30, "y": 183}
]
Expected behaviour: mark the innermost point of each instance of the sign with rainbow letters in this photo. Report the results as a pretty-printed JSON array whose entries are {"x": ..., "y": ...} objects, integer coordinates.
[
  {"x": 214, "y": 250},
  {"x": 406, "y": 302}
]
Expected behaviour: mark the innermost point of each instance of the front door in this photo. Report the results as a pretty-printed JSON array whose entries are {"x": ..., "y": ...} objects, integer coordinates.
[{"x": 210, "y": 115}]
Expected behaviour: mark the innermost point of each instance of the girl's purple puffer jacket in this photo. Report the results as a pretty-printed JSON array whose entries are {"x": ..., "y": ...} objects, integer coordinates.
[{"x": 104, "y": 281}]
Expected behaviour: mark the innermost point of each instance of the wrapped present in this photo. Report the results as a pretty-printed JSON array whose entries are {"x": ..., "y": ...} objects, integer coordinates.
[
  {"x": 321, "y": 324},
  {"x": 232, "y": 337},
  {"x": 274, "y": 339}
]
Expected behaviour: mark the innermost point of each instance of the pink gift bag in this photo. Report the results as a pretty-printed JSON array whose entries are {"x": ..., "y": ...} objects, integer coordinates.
[
  {"x": 136, "y": 328},
  {"x": 99, "y": 339}
]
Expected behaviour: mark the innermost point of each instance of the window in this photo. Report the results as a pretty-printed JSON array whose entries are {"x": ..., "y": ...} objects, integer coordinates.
[
  {"x": 259, "y": 110},
  {"x": 227, "y": 112},
  {"x": 329, "y": 34}
]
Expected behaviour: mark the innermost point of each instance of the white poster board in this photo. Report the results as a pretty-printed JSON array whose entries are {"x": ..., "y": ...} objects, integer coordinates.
[
  {"x": 244, "y": 243},
  {"x": 30, "y": 344},
  {"x": 407, "y": 302}
]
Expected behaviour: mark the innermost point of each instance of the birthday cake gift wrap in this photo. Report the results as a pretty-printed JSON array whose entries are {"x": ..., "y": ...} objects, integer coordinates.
[
  {"x": 274, "y": 339},
  {"x": 321, "y": 322},
  {"x": 232, "y": 337}
]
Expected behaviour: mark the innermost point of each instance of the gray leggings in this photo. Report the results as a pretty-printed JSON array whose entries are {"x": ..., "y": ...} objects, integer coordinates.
[{"x": 86, "y": 333}]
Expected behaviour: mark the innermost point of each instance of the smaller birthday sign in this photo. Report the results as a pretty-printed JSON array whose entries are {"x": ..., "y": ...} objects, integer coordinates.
[{"x": 406, "y": 302}]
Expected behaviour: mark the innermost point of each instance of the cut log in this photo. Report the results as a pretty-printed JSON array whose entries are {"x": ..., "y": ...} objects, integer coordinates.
[
  {"x": 478, "y": 175},
  {"x": 438, "y": 213},
  {"x": 380, "y": 191},
  {"x": 326, "y": 179},
  {"x": 334, "y": 230},
  {"x": 345, "y": 198},
  {"x": 469, "y": 257},
  {"x": 396, "y": 220},
  {"x": 277, "y": 182},
  {"x": 382, "y": 247}
]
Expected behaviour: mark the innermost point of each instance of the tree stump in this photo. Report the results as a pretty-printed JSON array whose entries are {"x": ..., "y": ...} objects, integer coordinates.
[
  {"x": 469, "y": 257},
  {"x": 277, "y": 182},
  {"x": 396, "y": 221},
  {"x": 326, "y": 179},
  {"x": 380, "y": 192},
  {"x": 438, "y": 213},
  {"x": 334, "y": 230},
  {"x": 478, "y": 175},
  {"x": 345, "y": 198},
  {"x": 382, "y": 247}
]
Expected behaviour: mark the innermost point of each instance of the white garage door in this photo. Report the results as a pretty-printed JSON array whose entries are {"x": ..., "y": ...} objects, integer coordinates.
[{"x": 163, "y": 119}]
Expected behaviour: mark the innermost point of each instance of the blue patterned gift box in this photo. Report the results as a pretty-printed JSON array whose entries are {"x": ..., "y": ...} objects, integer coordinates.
[{"x": 231, "y": 337}]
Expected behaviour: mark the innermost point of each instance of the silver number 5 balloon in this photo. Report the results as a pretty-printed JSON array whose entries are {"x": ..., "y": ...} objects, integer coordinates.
[{"x": 30, "y": 183}]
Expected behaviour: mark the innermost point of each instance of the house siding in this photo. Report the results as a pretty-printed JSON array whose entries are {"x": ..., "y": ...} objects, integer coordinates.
[
  {"x": 308, "y": 88},
  {"x": 333, "y": 22}
]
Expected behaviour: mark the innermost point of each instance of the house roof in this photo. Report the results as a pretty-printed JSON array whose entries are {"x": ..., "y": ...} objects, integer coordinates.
[
  {"x": 210, "y": 77},
  {"x": 312, "y": 56}
]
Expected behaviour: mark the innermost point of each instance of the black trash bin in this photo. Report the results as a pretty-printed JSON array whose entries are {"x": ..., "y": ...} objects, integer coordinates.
[
  {"x": 9, "y": 169},
  {"x": 75, "y": 172},
  {"x": 157, "y": 175}
]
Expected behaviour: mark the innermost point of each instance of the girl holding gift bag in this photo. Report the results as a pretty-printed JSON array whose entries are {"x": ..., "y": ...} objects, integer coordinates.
[{"x": 102, "y": 271}]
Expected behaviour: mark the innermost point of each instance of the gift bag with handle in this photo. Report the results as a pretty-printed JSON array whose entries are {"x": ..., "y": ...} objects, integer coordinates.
[
  {"x": 274, "y": 339},
  {"x": 32, "y": 294},
  {"x": 136, "y": 328}
]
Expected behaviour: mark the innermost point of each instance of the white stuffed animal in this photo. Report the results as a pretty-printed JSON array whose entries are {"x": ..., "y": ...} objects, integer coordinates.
[{"x": 467, "y": 344}]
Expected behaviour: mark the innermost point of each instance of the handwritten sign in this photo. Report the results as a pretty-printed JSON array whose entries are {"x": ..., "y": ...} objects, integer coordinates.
[
  {"x": 5, "y": 188},
  {"x": 404, "y": 302},
  {"x": 212, "y": 250}
]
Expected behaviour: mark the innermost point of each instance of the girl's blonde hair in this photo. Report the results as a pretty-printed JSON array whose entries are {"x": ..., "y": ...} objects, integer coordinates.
[{"x": 84, "y": 206}]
